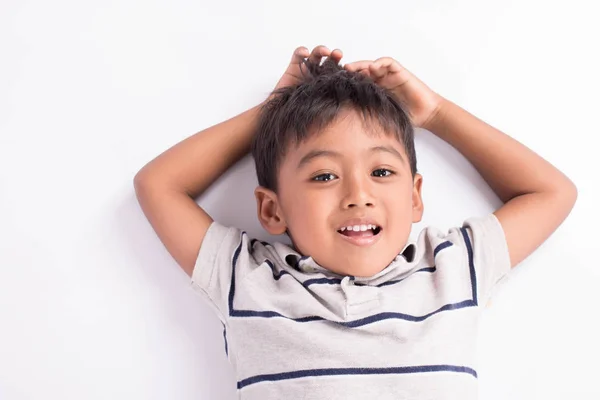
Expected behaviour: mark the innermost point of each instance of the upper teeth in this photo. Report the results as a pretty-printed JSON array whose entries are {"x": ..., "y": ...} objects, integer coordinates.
[{"x": 357, "y": 228}]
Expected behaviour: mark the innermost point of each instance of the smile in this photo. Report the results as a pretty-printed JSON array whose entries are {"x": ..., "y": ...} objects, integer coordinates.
[{"x": 361, "y": 238}]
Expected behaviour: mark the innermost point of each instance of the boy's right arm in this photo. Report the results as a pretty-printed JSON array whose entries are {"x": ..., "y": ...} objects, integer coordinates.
[{"x": 167, "y": 186}]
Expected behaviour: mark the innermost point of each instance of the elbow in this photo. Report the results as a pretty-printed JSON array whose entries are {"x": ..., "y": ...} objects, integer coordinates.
[
  {"x": 138, "y": 179},
  {"x": 570, "y": 192},
  {"x": 565, "y": 190},
  {"x": 141, "y": 179},
  {"x": 566, "y": 196}
]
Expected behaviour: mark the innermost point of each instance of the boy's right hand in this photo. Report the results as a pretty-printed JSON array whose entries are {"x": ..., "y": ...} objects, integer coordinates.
[{"x": 293, "y": 73}]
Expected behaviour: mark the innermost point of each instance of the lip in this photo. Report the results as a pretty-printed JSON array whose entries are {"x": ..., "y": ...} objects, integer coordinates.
[{"x": 362, "y": 241}]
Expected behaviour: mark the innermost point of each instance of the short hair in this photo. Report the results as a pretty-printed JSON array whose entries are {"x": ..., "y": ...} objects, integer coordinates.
[{"x": 295, "y": 113}]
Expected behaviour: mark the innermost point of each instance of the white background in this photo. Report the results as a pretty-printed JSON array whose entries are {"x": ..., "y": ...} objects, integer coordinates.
[{"x": 92, "y": 306}]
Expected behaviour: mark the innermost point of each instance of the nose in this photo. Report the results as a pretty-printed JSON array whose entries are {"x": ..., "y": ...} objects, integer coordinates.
[{"x": 357, "y": 192}]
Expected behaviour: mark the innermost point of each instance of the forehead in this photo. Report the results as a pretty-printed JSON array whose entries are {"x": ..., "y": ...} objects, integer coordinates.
[{"x": 350, "y": 135}]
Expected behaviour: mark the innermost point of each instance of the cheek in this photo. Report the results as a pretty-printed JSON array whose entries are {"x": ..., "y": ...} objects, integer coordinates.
[
  {"x": 310, "y": 213},
  {"x": 397, "y": 207}
]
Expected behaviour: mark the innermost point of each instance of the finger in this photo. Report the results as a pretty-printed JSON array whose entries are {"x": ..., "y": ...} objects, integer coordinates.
[
  {"x": 336, "y": 55},
  {"x": 318, "y": 53},
  {"x": 383, "y": 66},
  {"x": 358, "y": 65},
  {"x": 299, "y": 54},
  {"x": 389, "y": 63},
  {"x": 378, "y": 70},
  {"x": 364, "y": 71}
]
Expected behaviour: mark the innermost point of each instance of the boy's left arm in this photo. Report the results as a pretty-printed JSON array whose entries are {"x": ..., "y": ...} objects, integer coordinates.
[{"x": 537, "y": 196}]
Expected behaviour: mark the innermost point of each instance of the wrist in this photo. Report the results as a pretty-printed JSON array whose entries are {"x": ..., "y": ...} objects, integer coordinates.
[{"x": 436, "y": 115}]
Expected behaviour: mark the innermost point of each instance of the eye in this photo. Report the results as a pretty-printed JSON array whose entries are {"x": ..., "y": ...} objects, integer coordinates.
[
  {"x": 382, "y": 172},
  {"x": 323, "y": 177}
]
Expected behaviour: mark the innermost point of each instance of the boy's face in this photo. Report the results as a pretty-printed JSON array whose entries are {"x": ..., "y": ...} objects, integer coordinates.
[{"x": 353, "y": 184}]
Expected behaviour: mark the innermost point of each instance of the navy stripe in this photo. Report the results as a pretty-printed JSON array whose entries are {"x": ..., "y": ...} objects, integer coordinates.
[
  {"x": 471, "y": 265},
  {"x": 236, "y": 254},
  {"x": 356, "y": 323},
  {"x": 275, "y": 275},
  {"x": 254, "y": 241},
  {"x": 355, "y": 371},
  {"x": 331, "y": 281},
  {"x": 441, "y": 246},
  {"x": 225, "y": 338},
  {"x": 389, "y": 315},
  {"x": 427, "y": 269}
]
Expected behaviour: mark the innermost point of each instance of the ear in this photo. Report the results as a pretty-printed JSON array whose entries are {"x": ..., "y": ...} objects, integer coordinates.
[
  {"x": 417, "y": 200},
  {"x": 269, "y": 211}
]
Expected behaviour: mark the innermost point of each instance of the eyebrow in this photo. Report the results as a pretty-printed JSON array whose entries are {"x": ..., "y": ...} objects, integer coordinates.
[{"x": 334, "y": 154}]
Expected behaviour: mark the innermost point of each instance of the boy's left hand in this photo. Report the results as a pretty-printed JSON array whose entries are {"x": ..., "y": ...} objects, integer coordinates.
[
  {"x": 422, "y": 102},
  {"x": 293, "y": 73}
]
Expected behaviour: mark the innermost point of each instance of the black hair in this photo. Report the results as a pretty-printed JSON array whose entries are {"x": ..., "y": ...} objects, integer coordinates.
[{"x": 294, "y": 113}]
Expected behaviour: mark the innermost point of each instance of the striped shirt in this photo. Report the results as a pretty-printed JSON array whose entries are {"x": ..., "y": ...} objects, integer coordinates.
[{"x": 295, "y": 330}]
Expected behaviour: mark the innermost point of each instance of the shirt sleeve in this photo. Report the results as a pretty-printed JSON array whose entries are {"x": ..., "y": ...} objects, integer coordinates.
[
  {"x": 223, "y": 250},
  {"x": 486, "y": 252}
]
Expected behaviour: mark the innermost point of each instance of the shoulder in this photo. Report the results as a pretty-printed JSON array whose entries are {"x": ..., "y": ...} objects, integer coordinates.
[
  {"x": 233, "y": 245},
  {"x": 485, "y": 228},
  {"x": 477, "y": 246}
]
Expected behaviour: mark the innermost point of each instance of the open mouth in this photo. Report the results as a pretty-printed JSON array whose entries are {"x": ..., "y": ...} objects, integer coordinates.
[{"x": 360, "y": 231}]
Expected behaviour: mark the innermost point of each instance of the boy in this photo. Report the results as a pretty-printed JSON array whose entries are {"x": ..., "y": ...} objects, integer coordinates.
[{"x": 352, "y": 309}]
